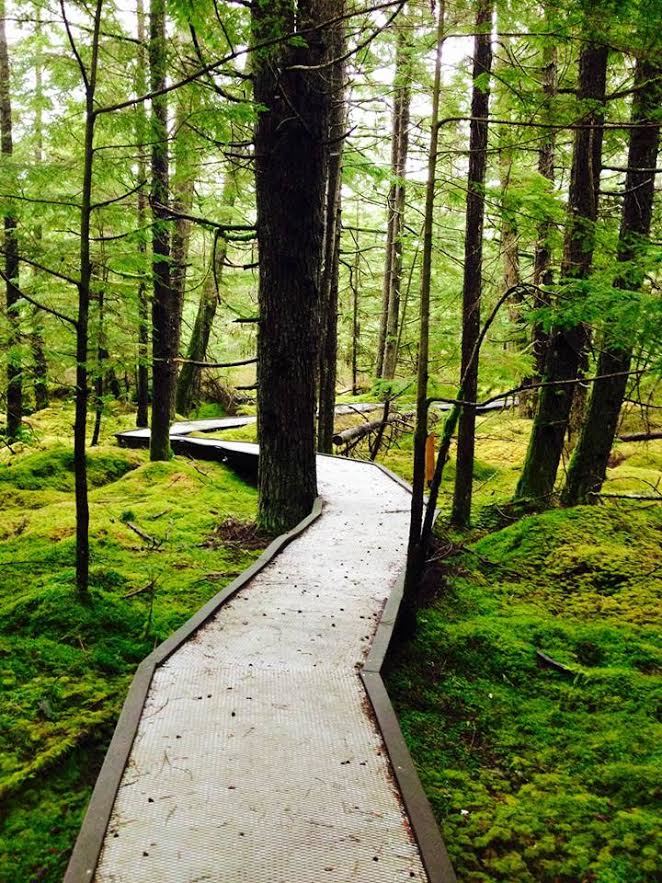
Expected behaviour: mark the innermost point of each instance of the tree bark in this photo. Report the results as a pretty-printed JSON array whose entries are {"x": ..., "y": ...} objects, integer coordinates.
[
  {"x": 329, "y": 290},
  {"x": 588, "y": 466},
  {"x": 164, "y": 307},
  {"x": 291, "y": 146},
  {"x": 142, "y": 372},
  {"x": 567, "y": 345},
  {"x": 473, "y": 261},
  {"x": 189, "y": 376},
  {"x": 11, "y": 269}
]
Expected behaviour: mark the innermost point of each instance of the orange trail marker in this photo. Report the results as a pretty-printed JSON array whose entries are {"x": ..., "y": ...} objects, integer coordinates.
[{"x": 430, "y": 446}]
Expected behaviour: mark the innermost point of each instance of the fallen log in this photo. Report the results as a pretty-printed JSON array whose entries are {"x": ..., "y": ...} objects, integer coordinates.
[
  {"x": 354, "y": 433},
  {"x": 640, "y": 436}
]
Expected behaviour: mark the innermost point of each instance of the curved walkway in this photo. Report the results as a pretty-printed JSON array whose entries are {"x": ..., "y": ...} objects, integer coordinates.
[{"x": 256, "y": 756}]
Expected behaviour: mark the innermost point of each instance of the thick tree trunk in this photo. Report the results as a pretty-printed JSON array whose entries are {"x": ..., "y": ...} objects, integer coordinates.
[
  {"x": 329, "y": 291},
  {"x": 291, "y": 146},
  {"x": 164, "y": 307},
  {"x": 401, "y": 112},
  {"x": 11, "y": 268},
  {"x": 567, "y": 345},
  {"x": 473, "y": 261},
  {"x": 542, "y": 260},
  {"x": 189, "y": 377},
  {"x": 588, "y": 466},
  {"x": 142, "y": 372}
]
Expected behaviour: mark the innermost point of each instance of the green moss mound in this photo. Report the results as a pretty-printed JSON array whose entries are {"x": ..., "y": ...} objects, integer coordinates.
[
  {"x": 538, "y": 773},
  {"x": 54, "y": 469}
]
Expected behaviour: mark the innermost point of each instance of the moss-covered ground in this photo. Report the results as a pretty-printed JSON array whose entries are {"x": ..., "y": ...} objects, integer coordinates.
[
  {"x": 536, "y": 773},
  {"x": 65, "y": 666}
]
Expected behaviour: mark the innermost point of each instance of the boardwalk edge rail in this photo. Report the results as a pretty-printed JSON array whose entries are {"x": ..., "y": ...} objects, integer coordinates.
[{"x": 89, "y": 843}]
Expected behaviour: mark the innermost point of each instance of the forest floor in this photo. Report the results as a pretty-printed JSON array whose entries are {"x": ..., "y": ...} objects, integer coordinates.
[
  {"x": 534, "y": 773},
  {"x": 64, "y": 666}
]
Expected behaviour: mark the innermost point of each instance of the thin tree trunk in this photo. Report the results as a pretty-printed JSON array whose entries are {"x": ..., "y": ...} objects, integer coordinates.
[
  {"x": 510, "y": 253},
  {"x": 330, "y": 273},
  {"x": 185, "y": 173},
  {"x": 40, "y": 362},
  {"x": 102, "y": 354},
  {"x": 80, "y": 422},
  {"x": 401, "y": 113},
  {"x": 164, "y": 307},
  {"x": 291, "y": 146},
  {"x": 588, "y": 466},
  {"x": 567, "y": 345},
  {"x": 189, "y": 377},
  {"x": 415, "y": 559},
  {"x": 11, "y": 269},
  {"x": 37, "y": 345},
  {"x": 355, "y": 284},
  {"x": 543, "y": 276},
  {"x": 473, "y": 261},
  {"x": 142, "y": 374}
]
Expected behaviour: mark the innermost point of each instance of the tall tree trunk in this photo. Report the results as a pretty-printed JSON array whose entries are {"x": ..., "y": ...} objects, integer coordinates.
[
  {"x": 142, "y": 373},
  {"x": 37, "y": 345},
  {"x": 40, "y": 362},
  {"x": 332, "y": 230},
  {"x": 415, "y": 559},
  {"x": 11, "y": 269},
  {"x": 102, "y": 355},
  {"x": 510, "y": 252},
  {"x": 542, "y": 260},
  {"x": 473, "y": 260},
  {"x": 164, "y": 307},
  {"x": 355, "y": 285},
  {"x": 189, "y": 377},
  {"x": 183, "y": 186},
  {"x": 588, "y": 466},
  {"x": 401, "y": 111},
  {"x": 291, "y": 145},
  {"x": 84, "y": 285},
  {"x": 567, "y": 345}
]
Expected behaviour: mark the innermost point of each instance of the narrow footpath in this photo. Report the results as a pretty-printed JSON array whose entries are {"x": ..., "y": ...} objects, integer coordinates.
[{"x": 257, "y": 756}]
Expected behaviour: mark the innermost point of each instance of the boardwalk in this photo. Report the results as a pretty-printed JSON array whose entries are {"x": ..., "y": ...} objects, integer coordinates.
[{"x": 257, "y": 756}]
